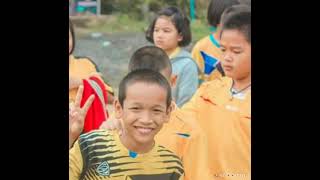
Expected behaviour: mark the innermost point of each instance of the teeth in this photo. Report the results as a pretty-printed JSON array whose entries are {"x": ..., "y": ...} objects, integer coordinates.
[{"x": 144, "y": 130}]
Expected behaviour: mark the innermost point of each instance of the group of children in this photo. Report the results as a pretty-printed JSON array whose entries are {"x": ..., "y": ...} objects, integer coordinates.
[{"x": 164, "y": 126}]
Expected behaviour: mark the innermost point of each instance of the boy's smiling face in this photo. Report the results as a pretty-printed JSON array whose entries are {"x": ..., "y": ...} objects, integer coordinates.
[{"x": 144, "y": 111}]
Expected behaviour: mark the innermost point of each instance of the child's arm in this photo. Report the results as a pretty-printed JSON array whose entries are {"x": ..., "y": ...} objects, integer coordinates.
[
  {"x": 75, "y": 162},
  {"x": 188, "y": 83}
]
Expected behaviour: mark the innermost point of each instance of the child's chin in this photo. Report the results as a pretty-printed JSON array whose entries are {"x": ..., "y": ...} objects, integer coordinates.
[
  {"x": 145, "y": 140},
  {"x": 229, "y": 74}
]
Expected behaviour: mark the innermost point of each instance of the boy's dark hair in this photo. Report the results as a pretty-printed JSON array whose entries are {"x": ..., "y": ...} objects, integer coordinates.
[
  {"x": 238, "y": 19},
  {"x": 145, "y": 76},
  {"x": 233, "y": 9},
  {"x": 150, "y": 57},
  {"x": 180, "y": 21},
  {"x": 72, "y": 35},
  {"x": 216, "y": 8}
]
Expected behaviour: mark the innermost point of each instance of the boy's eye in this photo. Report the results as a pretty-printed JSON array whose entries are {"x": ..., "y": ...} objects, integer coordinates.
[
  {"x": 222, "y": 49},
  {"x": 157, "y": 111},
  {"x": 134, "y": 108},
  {"x": 237, "y": 51}
]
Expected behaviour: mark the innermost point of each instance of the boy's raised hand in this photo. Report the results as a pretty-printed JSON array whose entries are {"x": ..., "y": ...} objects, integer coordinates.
[{"x": 77, "y": 116}]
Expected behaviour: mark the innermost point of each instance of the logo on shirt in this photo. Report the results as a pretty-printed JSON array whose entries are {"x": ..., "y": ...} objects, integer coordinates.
[
  {"x": 232, "y": 108},
  {"x": 103, "y": 169}
]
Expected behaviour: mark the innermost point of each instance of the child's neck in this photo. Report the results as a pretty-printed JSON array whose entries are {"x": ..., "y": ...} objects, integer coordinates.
[
  {"x": 132, "y": 145},
  {"x": 171, "y": 52},
  {"x": 239, "y": 84}
]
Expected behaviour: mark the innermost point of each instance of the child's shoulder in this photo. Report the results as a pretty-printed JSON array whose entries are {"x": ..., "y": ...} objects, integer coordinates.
[
  {"x": 94, "y": 135},
  {"x": 165, "y": 153},
  {"x": 188, "y": 126},
  {"x": 183, "y": 54},
  {"x": 204, "y": 41},
  {"x": 217, "y": 83},
  {"x": 84, "y": 59},
  {"x": 171, "y": 163},
  {"x": 184, "y": 58}
]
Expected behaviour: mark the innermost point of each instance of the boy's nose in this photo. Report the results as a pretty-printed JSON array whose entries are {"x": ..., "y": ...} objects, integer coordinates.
[
  {"x": 227, "y": 57},
  {"x": 159, "y": 35},
  {"x": 145, "y": 118}
]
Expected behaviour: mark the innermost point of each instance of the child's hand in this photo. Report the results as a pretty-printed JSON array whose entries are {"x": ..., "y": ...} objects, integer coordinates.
[
  {"x": 77, "y": 116},
  {"x": 112, "y": 124}
]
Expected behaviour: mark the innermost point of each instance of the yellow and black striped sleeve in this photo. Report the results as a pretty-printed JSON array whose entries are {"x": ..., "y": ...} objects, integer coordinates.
[{"x": 75, "y": 162}]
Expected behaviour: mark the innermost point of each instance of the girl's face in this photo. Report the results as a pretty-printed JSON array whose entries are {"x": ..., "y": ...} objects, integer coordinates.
[
  {"x": 165, "y": 34},
  {"x": 236, "y": 54},
  {"x": 70, "y": 42}
]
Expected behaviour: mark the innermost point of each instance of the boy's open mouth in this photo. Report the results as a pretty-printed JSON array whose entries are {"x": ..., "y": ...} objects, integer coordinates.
[{"x": 144, "y": 130}]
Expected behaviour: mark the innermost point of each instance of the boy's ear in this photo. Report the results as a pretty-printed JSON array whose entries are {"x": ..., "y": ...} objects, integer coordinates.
[
  {"x": 174, "y": 80},
  {"x": 117, "y": 109},
  {"x": 169, "y": 110}
]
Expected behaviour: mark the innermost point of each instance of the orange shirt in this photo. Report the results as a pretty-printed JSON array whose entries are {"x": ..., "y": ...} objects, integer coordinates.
[
  {"x": 183, "y": 136},
  {"x": 226, "y": 121}
]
